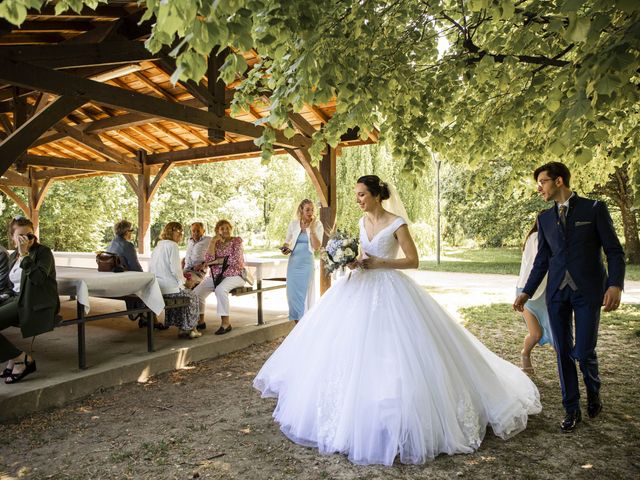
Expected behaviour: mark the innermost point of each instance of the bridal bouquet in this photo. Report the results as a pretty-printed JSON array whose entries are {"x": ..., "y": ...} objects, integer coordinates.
[{"x": 341, "y": 250}]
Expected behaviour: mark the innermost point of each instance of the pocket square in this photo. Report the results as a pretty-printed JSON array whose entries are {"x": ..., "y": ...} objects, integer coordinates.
[{"x": 580, "y": 224}]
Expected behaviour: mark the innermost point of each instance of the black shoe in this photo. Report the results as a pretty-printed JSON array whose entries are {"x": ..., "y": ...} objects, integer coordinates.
[
  {"x": 201, "y": 326},
  {"x": 570, "y": 421},
  {"x": 222, "y": 330},
  {"x": 160, "y": 326},
  {"x": 29, "y": 367},
  {"x": 594, "y": 405},
  {"x": 142, "y": 322}
]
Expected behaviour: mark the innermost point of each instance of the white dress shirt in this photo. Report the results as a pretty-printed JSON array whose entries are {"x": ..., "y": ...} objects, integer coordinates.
[{"x": 195, "y": 252}]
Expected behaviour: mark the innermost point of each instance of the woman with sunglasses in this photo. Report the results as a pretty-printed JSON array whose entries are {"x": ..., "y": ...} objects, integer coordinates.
[{"x": 33, "y": 303}]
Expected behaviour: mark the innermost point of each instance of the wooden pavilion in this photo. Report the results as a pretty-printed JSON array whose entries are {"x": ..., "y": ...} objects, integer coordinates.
[{"x": 81, "y": 96}]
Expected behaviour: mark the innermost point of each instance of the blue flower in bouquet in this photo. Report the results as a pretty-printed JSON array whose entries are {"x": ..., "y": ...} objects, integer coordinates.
[{"x": 341, "y": 249}]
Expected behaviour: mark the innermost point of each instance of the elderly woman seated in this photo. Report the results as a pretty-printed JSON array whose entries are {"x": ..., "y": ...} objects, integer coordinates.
[
  {"x": 165, "y": 264},
  {"x": 123, "y": 246},
  {"x": 32, "y": 303},
  {"x": 226, "y": 258},
  {"x": 193, "y": 264}
]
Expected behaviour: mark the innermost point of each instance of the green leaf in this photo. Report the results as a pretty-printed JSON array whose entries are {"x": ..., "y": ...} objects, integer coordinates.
[
  {"x": 568, "y": 6},
  {"x": 14, "y": 12},
  {"x": 578, "y": 28},
  {"x": 583, "y": 156},
  {"x": 628, "y": 6},
  {"x": 607, "y": 84}
]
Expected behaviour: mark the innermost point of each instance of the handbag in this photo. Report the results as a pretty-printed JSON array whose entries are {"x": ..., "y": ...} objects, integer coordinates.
[
  {"x": 109, "y": 262},
  {"x": 217, "y": 280}
]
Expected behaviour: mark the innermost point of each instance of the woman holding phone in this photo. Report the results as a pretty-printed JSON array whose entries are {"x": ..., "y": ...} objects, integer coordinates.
[
  {"x": 304, "y": 238},
  {"x": 33, "y": 302}
]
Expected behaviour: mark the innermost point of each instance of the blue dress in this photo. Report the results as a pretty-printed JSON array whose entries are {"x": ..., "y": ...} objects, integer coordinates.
[{"x": 299, "y": 271}]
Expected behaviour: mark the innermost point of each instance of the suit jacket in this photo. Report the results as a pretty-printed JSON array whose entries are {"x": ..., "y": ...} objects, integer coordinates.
[
  {"x": 578, "y": 249},
  {"x": 38, "y": 301},
  {"x": 127, "y": 253}
]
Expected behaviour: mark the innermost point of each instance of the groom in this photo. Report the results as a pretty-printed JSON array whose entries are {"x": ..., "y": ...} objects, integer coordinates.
[{"x": 571, "y": 236}]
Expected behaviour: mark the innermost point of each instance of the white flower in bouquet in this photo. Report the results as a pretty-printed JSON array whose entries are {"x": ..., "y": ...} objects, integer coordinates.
[{"x": 339, "y": 251}]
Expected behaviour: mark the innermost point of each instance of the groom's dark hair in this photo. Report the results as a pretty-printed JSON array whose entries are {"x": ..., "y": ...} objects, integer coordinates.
[{"x": 555, "y": 170}]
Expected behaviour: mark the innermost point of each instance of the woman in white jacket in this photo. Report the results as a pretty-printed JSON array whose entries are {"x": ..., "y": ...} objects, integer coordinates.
[
  {"x": 535, "y": 311},
  {"x": 304, "y": 237},
  {"x": 165, "y": 264}
]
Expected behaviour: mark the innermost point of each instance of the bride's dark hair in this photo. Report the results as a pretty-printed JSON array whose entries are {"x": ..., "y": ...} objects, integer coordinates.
[{"x": 375, "y": 186}]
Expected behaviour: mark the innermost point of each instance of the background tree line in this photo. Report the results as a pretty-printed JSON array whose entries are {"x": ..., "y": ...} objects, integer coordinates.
[{"x": 491, "y": 205}]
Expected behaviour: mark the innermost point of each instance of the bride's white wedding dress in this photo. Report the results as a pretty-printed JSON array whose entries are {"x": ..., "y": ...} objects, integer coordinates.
[{"x": 378, "y": 369}]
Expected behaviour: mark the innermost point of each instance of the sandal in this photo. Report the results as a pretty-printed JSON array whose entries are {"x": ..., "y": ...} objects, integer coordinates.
[
  {"x": 526, "y": 365},
  {"x": 29, "y": 367},
  {"x": 190, "y": 334}
]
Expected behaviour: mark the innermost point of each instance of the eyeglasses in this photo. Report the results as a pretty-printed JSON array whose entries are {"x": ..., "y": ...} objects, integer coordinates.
[{"x": 542, "y": 181}]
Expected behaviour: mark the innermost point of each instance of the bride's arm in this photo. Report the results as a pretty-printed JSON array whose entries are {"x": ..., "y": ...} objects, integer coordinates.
[{"x": 409, "y": 249}]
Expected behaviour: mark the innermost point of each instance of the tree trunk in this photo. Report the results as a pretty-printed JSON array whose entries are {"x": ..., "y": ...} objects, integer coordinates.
[{"x": 619, "y": 190}]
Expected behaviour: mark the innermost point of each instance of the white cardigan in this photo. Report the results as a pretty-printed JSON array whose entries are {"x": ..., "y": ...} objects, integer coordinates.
[
  {"x": 528, "y": 257},
  {"x": 294, "y": 230},
  {"x": 165, "y": 264}
]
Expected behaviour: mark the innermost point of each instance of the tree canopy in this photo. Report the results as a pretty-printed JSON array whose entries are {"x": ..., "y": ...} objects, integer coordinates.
[{"x": 471, "y": 80}]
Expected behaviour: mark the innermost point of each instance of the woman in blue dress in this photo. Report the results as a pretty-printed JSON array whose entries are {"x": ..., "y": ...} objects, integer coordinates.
[
  {"x": 535, "y": 310},
  {"x": 304, "y": 237}
]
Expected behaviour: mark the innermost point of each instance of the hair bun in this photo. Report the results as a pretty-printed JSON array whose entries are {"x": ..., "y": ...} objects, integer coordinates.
[{"x": 384, "y": 191}]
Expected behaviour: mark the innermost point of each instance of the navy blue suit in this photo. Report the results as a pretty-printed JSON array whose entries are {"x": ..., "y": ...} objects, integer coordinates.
[{"x": 576, "y": 248}]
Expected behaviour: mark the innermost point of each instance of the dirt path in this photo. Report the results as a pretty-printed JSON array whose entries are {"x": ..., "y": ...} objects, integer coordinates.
[{"x": 208, "y": 422}]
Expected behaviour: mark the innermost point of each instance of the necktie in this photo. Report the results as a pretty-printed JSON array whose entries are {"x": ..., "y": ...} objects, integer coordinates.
[{"x": 563, "y": 215}]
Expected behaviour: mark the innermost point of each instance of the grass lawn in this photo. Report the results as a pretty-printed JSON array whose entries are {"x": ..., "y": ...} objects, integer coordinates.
[{"x": 490, "y": 260}]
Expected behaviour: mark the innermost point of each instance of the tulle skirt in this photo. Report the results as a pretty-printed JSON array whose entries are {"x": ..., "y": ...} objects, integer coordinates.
[{"x": 378, "y": 369}]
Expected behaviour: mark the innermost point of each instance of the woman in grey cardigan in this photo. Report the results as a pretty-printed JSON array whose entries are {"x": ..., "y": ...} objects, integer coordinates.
[{"x": 123, "y": 246}]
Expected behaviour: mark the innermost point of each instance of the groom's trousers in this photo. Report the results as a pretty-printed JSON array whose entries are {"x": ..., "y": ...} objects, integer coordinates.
[{"x": 563, "y": 306}]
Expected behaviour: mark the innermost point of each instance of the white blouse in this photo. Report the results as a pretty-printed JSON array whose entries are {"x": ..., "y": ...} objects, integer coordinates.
[
  {"x": 294, "y": 230},
  {"x": 15, "y": 275},
  {"x": 528, "y": 257},
  {"x": 165, "y": 264}
]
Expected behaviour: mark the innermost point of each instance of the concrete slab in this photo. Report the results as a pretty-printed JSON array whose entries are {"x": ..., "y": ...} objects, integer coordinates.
[{"x": 117, "y": 351}]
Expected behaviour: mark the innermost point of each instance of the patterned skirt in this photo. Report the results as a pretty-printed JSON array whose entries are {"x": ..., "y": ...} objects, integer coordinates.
[{"x": 185, "y": 318}]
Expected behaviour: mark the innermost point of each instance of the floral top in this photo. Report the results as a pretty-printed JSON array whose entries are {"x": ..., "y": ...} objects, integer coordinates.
[{"x": 235, "y": 258}]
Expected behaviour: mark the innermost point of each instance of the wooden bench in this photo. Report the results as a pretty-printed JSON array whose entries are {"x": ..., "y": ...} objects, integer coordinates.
[
  {"x": 259, "y": 290},
  {"x": 82, "y": 319}
]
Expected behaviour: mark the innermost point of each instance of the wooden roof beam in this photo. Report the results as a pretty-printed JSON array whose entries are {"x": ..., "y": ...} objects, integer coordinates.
[
  {"x": 73, "y": 164},
  {"x": 67, "y": 55},
  {"x": 93, "y": 142},
  {"x": 211, "y": 151},
  {"x": 20, "y": 140}
]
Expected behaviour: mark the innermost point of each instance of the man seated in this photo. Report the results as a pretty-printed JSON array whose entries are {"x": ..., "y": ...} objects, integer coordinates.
[{"x": 193, "y": 265}]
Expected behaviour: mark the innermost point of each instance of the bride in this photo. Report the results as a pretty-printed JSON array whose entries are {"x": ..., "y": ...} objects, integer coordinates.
[{"x": 378, "y": 369}]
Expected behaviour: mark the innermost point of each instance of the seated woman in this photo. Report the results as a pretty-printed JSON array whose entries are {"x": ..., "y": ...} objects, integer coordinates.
[
  {"x": 226, "y": 258},
  {"x": 33, "y": 302},
  {"x": 165, "y": 264},
  {"x": 123, "y": 246}
]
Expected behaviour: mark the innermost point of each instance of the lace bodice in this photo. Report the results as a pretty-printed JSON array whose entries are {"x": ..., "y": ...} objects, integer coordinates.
[{"x": 383, "y": 244}]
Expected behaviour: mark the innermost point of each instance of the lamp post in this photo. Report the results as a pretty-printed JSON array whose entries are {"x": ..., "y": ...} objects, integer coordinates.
[
  {"x": 195, "y": 196},
  {"x": 437, "y": 161}
]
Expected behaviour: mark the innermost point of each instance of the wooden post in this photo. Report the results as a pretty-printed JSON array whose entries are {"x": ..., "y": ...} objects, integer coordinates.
[
  {"x": 328, "y": 214},
  {"x": 217, "y": 90},
  {"x": 37, "y": 192},
  {"x": 144, "y": 205}
]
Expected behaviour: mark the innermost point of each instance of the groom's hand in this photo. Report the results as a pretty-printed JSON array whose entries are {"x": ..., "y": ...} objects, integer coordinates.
[
  {"x": 521, "y": 299},
  {"x": 611, "y": 300}
]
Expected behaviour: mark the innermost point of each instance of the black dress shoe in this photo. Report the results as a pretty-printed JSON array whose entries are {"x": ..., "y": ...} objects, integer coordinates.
[
  {"x": 201, "y": 326},
  {"x": 594, "y": 405},
  {"x": 570, "y": 421},
  {"x": 222, "y": 330}
]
